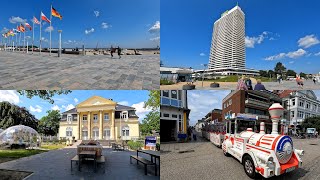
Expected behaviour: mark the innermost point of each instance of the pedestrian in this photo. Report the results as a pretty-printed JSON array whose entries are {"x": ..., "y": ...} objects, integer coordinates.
[
  {"x": 299, "y": 81},
  {"x": 119, "y": 52},
  {"x": 249, "y": 83},
  {"x": 259, "y": 86},
  {"x": 111, "y": 51},
  {"x": 279, "y": 78},
  {"x": 314, "y": 79},
  {"x": 241, "y": 84},
  {"x": 194, "y": 134}
]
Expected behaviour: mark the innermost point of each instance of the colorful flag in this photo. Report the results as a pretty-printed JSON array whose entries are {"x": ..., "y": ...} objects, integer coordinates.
[
  {"x": 35, "y": 20},
  {"x": 18, "y": 29},
  {"x": 28, "y": 25},
  {"x": 55, "y": 13},
  {"x": 22, "y": 29},
  {"x": 44, "y": 17}
]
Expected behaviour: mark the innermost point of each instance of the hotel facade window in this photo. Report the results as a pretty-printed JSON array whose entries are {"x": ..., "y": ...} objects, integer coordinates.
[
  {"x": 106, "y": 133},
  {"x": 95, "y": 118},
  {"x": 106, "y": 116},
  {"x": 95, "y": 133},
  {"x": 85, "y": 133},
  {"x": 84, "y": 119},
  {"x": 69, "y": 118},
  {"x": 69, "y": 132},
  {"x": 125, "y": 131}
]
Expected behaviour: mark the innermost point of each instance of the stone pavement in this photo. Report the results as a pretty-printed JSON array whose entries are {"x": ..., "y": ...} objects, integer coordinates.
[
  {"x": 292, "y": 85},
  {"x": 26, "y": 71},
  {"x": 56, "y": 165}
]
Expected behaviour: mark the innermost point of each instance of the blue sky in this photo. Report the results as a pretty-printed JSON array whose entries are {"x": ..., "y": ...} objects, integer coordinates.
[
  {"x": 127, "y": 23},
  {"x": 39, "y": 107},
  {"x": 276, "y": 31}
]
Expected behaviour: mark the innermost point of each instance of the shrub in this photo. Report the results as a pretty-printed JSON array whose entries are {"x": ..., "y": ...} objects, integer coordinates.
[
  {"x": 165, "y": 82},
  {"x": 135, "y": 145}
]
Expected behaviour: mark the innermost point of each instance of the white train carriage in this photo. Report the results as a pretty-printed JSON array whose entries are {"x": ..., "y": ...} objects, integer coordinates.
[
  {"x": 266, "y": 154},
  {"x": 217, "y": 134}
]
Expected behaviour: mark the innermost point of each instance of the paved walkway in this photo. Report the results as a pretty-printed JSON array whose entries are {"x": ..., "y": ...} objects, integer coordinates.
[
  {"x": 26, "y": 71},
  {"x": 56, "y": 165},
  {"x": 292, "y": 85}
]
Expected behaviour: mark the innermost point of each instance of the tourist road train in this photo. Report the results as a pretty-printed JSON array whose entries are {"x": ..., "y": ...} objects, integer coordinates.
[{"x": 260, "y": 153}]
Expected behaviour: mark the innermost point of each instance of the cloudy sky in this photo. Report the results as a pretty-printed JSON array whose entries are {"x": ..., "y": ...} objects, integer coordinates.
[
  {"x": 127, "y": 23},
  {"x": 39, "y": 107},
  {"x": 276, "y": 31}
]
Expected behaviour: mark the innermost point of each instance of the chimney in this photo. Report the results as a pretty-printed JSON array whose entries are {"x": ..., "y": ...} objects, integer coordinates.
[
  {"x": 262, "y": 128},
  {"x": 275, "y": 111}
]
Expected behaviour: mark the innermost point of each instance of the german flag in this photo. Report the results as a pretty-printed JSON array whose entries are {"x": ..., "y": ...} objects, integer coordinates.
[
  {"x": 55, "y": 13},
  {"x": 22, "y": 29}
]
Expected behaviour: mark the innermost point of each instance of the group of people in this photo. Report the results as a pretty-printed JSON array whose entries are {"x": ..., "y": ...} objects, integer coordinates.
[
  {"x": 113, "y": 50},
  {"x": 245, "y": 83}
]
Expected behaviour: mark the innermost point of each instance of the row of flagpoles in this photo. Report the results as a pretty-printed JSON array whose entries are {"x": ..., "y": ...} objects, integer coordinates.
[{"x": 21, "y": 29}]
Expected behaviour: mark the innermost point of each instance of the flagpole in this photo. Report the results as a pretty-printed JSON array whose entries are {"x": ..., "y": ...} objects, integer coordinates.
[
  {"x": 32, "y": 34},
  {"x": 17, "y": 41},
  {"x": 20, "y": 40},
  {"x": 40, "y": 31},
  {"x": 24, "y": 40},
  {"x": 50, "y": 27}
]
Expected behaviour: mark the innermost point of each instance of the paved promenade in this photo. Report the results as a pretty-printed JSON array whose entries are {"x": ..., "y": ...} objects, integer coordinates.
[
  {"x": 292, "y": 85},
  {"x": 26, "y": 71}
]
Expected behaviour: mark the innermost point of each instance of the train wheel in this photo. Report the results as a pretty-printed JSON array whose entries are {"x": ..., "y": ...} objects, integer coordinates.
[
  {"x": 225, "y": 152},
  {"x": 248, "y": 166}
]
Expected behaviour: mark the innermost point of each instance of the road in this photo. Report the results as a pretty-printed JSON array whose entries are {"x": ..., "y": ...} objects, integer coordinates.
[{"x": 203, "y": 160}]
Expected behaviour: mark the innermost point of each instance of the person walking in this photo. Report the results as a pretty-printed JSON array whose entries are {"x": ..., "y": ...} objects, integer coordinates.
[
  {"x": 194, "y": 134},
  {"x": 259, "y": 86},
  {"x": 314, "y": 79},
  {"x": 299, "y": 81},
  {"x": 241, "y": 84},
  {"x": 111, "y": 51},
  {"x": 279, "y": 78},
  {"x": 119, "y": 52}
]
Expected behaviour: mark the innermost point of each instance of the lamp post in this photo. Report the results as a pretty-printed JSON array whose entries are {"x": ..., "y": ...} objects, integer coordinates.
[
  {"x": 204, "y": 65},
  {"x": 59, "y": 52}
]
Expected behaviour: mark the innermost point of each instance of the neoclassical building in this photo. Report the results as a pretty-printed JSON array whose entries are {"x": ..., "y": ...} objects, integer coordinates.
[{"x": 99, "y": 118}]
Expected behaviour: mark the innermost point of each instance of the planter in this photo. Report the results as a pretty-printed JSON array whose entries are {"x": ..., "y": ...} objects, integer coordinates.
[
  {"x": 214, "y": 85},
  {"x": 188, "y": 87}
]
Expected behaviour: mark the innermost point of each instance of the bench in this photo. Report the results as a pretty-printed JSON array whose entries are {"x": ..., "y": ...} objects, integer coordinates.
[
  {"x": 76, "y": 159},
  {"x": 143, "y": 161},
  {"x": 102, "y": 160}
]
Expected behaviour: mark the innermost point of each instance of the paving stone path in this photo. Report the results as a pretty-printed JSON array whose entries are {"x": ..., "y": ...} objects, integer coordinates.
[{"x": 26, "y": 71}]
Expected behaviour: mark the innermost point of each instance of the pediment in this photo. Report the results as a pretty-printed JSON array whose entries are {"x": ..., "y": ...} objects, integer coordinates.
[{"x": 96, "y": 101}]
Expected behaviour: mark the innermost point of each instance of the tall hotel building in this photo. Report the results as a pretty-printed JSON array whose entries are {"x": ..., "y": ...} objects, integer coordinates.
[{"x": 228, "y": 53}]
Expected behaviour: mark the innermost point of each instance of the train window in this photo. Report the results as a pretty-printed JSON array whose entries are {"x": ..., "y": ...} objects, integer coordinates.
[{"x": 243, "y": 125}]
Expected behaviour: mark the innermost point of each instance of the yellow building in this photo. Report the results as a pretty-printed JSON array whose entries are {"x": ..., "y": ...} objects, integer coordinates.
[{"x": 98, "y": 118}]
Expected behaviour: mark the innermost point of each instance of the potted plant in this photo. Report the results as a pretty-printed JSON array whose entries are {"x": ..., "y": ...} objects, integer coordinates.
[
  {"x": 214, "y": 85},
  {"x": 189, "y": 86}
]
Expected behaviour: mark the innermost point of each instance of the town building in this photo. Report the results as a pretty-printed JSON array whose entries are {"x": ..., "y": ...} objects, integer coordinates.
[
  {"x": 255, "y": 103},
  {"x": 228, "y": 51},
  {"x": 174, "y": 114},
  {"x": 214, "y": 115},
  {"x": 98, "y": 118},
  {"x": 176, "y": 74}
]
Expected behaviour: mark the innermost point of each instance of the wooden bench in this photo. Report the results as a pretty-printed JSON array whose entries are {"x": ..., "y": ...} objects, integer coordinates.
[
  {"x": 76, "y": 159},
  {"x": 102, "y": 160},
  {"x": 143, "y": 161}
]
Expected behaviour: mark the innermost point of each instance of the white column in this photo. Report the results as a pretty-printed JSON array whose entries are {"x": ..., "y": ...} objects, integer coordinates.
[
  {"x": 101, "y": 126},
  {"x": 79, "y": 126},
  {"x": 89, "y": 125}
]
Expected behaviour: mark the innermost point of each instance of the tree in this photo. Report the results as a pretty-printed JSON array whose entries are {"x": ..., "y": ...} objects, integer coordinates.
[
  {"x": 270, "y": 73},
  {"x": 12, "y": 115},
  {"x": 154, "y": 100},
  {"x": 311, "y": 122},
  {"x": 49, "y": 124},
  {"x": 291, "y": 73},
  {"x": 150, "y": 123},
  {"x": 43, "y": 94},
  {"x": 263, "y": 73},
  {"x": 280, "y": 69},
  {"x": 303, "y": 75}
]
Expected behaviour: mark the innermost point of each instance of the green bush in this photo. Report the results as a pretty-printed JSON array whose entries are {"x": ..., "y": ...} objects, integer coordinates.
[
  {"x": 135, "y": 145},
  {"x": 165, "y": 82}
]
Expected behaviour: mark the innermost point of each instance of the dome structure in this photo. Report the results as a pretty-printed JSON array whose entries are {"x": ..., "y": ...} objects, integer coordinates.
[{"x": 20, "y": 135}]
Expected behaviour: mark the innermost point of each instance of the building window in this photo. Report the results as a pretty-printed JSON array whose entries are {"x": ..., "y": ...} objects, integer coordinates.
[
  {"x": 125, "y": 131},
  {"x": 300, "y": 114},
  {"x": 308, "y": 105},
  {"x": 314, "y": 107},
  {"x": 224, "y": 106},
  {"x": 85, "y": 134},
  {"x": 307, "y": 115},
  {"x": 292, "y": 113},
  {"x": 165, "y": 115},
  {"x": 230, "y": 102},
  {"x": 179, "y": 95},
  {"x": 106, "y": 133},
  {"x": 95, "y": 118},
  {"x": 106, "y": 116},
  {"x": 174, "y": 116},
  {"x": 301, "y": 104},
  {"x": 124, "y": 115},
  {"x": 69, "y": 132},
  {"x": 293, "y": 102},
  {"x": 84, "y": 118},
  {"x": 174, "y": 94},
  {"x": 69, "y": 118},
  {"x": 95, "y": 133},
  {"x": 165, "y": 93}
]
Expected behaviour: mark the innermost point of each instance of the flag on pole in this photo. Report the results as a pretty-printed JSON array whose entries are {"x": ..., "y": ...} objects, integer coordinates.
[
  {"x": 28, "y": 25},
  {"x": 35, "y": 20},
  {"x": 44, "y": 17},
  {"x": 55, "y": 13},
  {"x": 18, "y": 29},
  {"x": 22, "y": 29}
]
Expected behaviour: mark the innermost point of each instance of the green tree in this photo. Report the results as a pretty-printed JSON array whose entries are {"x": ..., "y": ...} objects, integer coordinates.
[
  {"x": 291, "y": 72},
  {"x": 271, "y": 73},
  {"x": 303, "y": 75},
  {"x": 150, "y": 123},
  {"x": 263, "y": 73},
  {"x": 43, "y": 94},
  {"x": 311, "y": 122},
  {"x": 279, "y": 69},
  {"x": 11, "y": 115},
  {"x": 154, "y": 100},
  {"x": 49, "y": 124}
]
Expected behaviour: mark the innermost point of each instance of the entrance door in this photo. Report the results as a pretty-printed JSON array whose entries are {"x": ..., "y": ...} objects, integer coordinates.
[{"x": 168, "y": 130}]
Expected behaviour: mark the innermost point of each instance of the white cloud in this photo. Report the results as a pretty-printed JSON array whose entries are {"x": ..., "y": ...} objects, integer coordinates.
[
  {"x": 308, "y": 41},
  {"x": 140, "y": 110},
  {"x": 36, "y": 109},
  {"x": 202, "y": 54},
  {"x": 55, "y": 107},
  {"x": 96, "y": 13},
  {"x": 155, "y": 39},
  {"x": 4, "y": 30},
  {"x": 9, "y": 96},
  {"x": 291, "y": 62},
  {"x": 49, "y": 29},
  {"x": 89, "y": 31},
  {"x": 292, "y": 55},
  {"x": 252, "y": 41},
  {"x": 155, "y": 28},
  {"x": 44, "y": 39},
  {"x": 76, "y": 100},
  {"x": 105, "y": 25},
  {"x": 125, "y": 103},
  {"x": 317, "y": 54},
  {"x": 199, "y": 105},
  {"x": 68, "y": 107},
  {"x": 15, "y": 20}
]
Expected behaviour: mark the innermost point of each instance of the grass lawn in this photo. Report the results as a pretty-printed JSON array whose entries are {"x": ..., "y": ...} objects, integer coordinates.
[
  {"x": 19, "y": 153},
  {"x": 52, "y": 146},
  {"x": 225, "y": 79}
]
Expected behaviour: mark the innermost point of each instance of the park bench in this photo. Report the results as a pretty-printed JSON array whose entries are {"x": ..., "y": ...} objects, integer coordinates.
[
  {"x": 74, "y": 159},
  {"x": 142, "y": 160}
]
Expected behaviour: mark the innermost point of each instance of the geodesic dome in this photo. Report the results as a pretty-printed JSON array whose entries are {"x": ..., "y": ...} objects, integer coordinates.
[{"x": 20, "y": 135}]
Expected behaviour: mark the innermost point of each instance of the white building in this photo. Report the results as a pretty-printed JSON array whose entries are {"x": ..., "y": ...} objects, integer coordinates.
[
  {"x": 174, "y": 114},
  {"x": 302, "y": 104},
  {"x": 227, "y": 53}
]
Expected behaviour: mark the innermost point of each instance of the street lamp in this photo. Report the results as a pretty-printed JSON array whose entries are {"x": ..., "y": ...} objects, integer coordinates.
[
  {"x": 204, "y": 65},
  {"x": 59, "y": 52}
]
